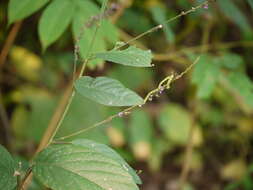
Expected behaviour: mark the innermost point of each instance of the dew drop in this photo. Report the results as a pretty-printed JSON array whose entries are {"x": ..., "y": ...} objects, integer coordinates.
[
  {"x": 124, "y": 166},
  {"x": 120, "y": 114}
]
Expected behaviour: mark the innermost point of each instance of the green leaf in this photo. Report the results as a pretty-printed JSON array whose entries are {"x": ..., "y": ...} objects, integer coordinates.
[
  {"x": 107, "y": 151},
  {"x": 235, "y": 14},
  {"x": 132, "y": 77},
  {"x": 107, "y": 91},
  {"x": 81, "y": 167},
  {"x": 175, "y": 122},
  {"x": 131, "y": 56},
  {"x": 7, "y": 167},
  {"x": 140, "y": 127},
  {"x": 230, "y": 60},
  {"x": 83, "y": 14},
  {"x": 18, "y": 10},
  {"x": 205, "y": 76},
  {"x": 242, "y": 85},
  {"x": 141, "y": 133},
  {"x": 159, "y": 15},
  {"x": 75, "y": 120},
  {"x": 54, "y": 21}
]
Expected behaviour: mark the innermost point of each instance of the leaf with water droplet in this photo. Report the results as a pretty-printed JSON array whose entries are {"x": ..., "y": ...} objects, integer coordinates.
[
  {"x": 7, "y": 170},
  {"x": 83, "y": 164},
  {"x": 111, "y": 153},
  {"x": 131, "y": 56}
]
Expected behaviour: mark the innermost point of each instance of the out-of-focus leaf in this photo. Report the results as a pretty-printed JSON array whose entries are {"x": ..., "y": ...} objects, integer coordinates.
[
  {"x": 131, "y": 56},
  {"x": 131, "y": 20},
  {"x": 81, "y": 115},
  {"x": 159, "y": 15},
  {"x": 132, "y": 77},
  {"x": 54, "y": 21},
  {"x": 159, "y": 147},
  {"x": 205, "y": 76},
  {"x": 235, "y": 14},
  {"x": 242, "y": 85},
  {"x": 106, "y": 91},
  {"x": 7, "y": 167},
  {"x": 116, "y": 132},
  {"x": 140, "y": 130},
  {"x": 235, "y": 169},
  {"x": 94, "y": 169},
  {"x": 18, "y": 10},
  {"x": 250, "y": 3},
  {"x": 230, "y": 60},
  {"x": 27, "y": 63},
  {"x": 175, "y": 122},
  {"x": 31, "y": 123},
  {"x": 107, "y": 151}
]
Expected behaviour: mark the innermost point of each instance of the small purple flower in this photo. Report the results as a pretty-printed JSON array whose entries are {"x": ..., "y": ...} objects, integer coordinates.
[{"x": 205, "y": 6}]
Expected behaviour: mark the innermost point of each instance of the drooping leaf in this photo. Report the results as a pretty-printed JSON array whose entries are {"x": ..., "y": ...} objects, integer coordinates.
[
  {"x": 107, "y": 91},
  {"x": 18, "y": 10},
  {"x": 54, "y": 21},
  {"x": 107, "y": 151},
  {"x": 7, "y": 169},
  {"x": 175, "y": 122},
  {"x": 159, "y": 15},
  {"x": 131, "y": 56},
  {"x": 81, "y": 167},
  {"x": 205, "y": 76}
]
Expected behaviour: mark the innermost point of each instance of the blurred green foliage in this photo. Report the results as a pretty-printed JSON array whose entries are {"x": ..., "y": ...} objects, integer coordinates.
[{"x": 217, "y": 96}]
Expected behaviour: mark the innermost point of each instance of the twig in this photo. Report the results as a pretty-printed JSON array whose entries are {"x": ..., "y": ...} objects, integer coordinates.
[
  {"x": 207, "y": 47},
  {"x": 188, "y": 156},
  {"x": 9, "y": 41},
  {"x": 163, "y": 85},
  {"x": 5, "y": 122}
]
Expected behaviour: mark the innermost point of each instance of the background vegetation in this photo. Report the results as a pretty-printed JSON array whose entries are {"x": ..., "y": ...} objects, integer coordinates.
[{"x": 199, "y": 132}]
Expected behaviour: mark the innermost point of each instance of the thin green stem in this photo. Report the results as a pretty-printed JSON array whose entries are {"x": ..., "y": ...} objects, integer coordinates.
[
  {"x": 85, "y": 62},
  {"x": 168, "y": 80},
  {"x": 160, "y": 26}
]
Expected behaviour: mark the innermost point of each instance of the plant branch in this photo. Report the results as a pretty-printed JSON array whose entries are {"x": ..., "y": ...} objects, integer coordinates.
[
  {"x": 161, "y": 25},
  {"x": 163, "y": 85},
  {"x": 9, "y": 41}
]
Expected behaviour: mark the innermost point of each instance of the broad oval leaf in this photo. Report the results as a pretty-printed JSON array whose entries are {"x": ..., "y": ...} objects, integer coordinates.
[
  {"x": 74, "y": 166},
  {"x": 54, "y": 20},
  {"x": 7, "y": 167},
  {"x": 131, "y": 56},
  {"x": 18, "y": 10},
  {"x": 107, "y": 91},
  {"x": 107, "y": 151}
]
